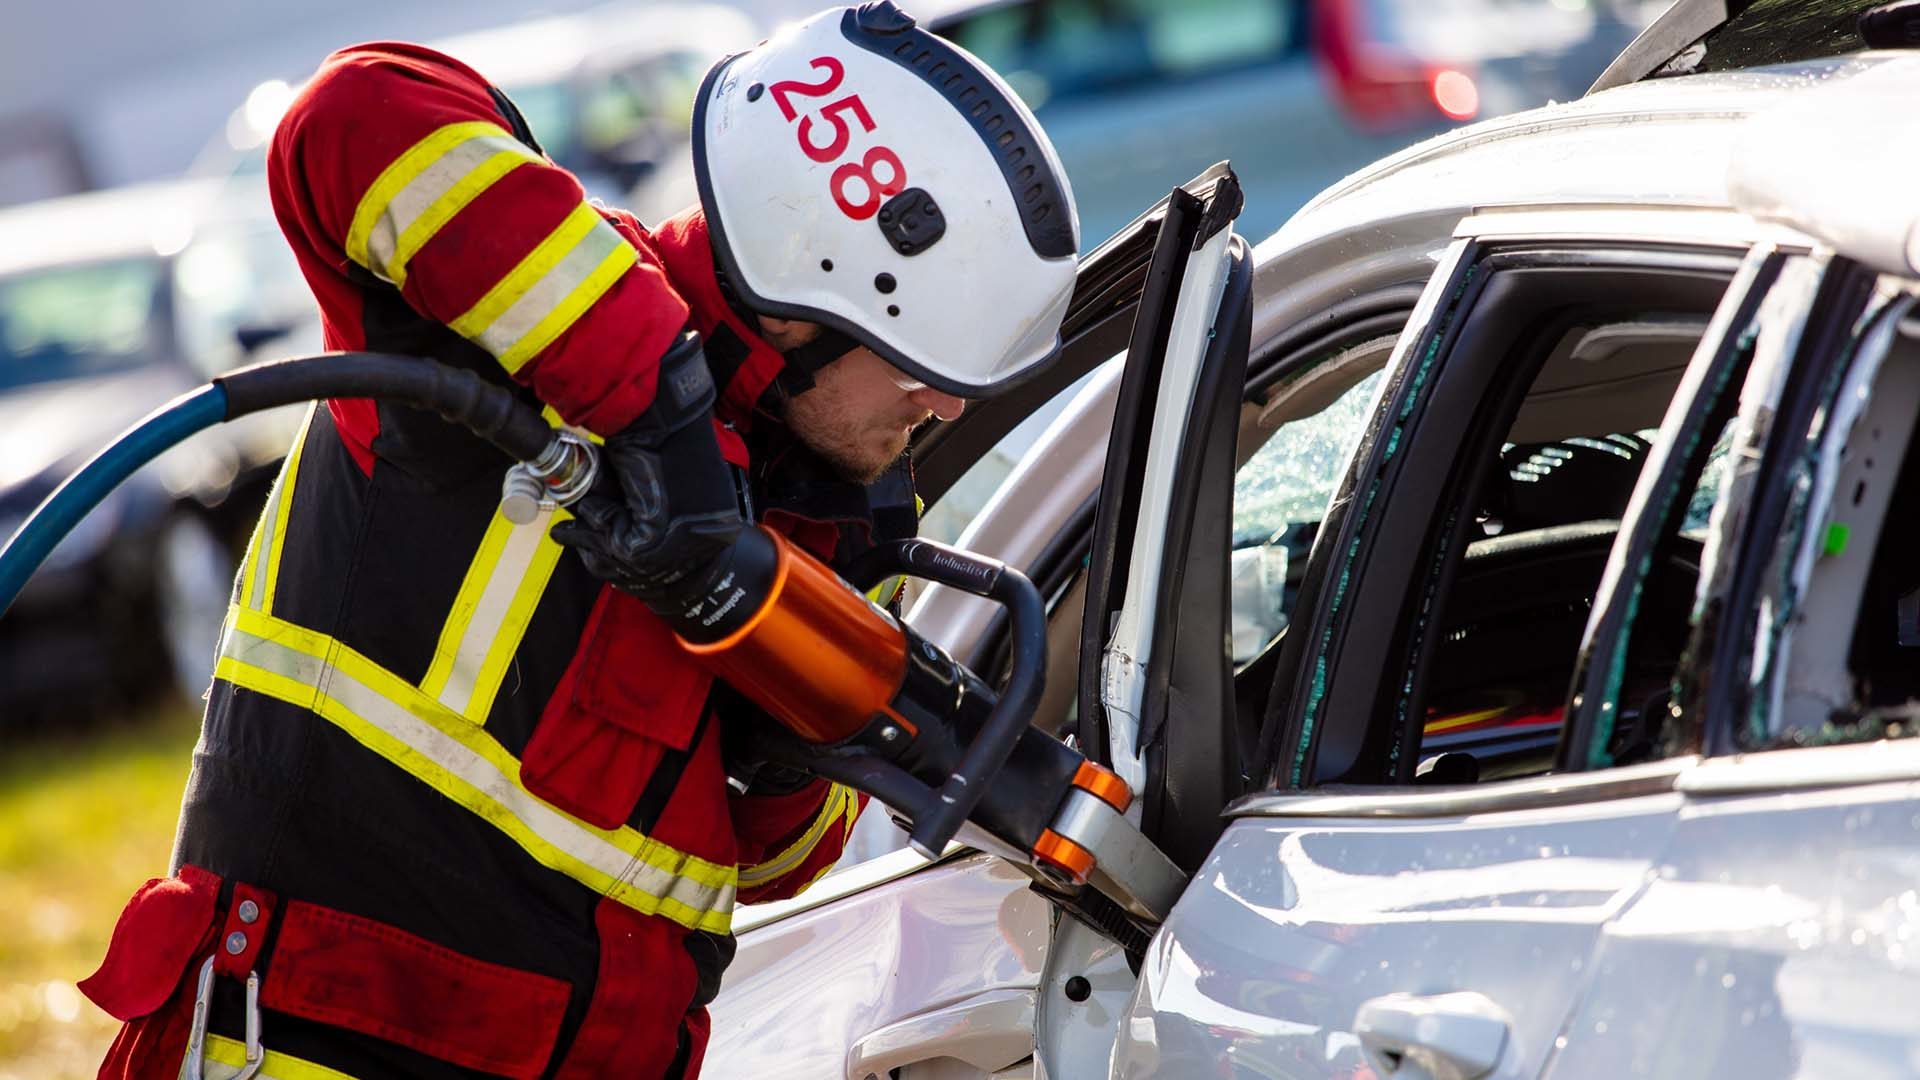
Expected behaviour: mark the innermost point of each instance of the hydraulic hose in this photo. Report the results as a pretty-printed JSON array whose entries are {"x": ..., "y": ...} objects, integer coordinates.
[
  {"x": 489, "y": 410},
  {"x": 62, "y": 510}
]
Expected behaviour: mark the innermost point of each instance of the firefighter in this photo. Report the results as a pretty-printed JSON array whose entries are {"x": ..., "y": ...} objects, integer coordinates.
[{"x": 459, "y": 806}]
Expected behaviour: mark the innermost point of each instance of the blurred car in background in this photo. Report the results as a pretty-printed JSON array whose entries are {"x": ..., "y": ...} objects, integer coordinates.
[
  {"x": 112, "y": 303},
  {"x": 608, "y": 92},
  {"x": 1138, "y": 95}
]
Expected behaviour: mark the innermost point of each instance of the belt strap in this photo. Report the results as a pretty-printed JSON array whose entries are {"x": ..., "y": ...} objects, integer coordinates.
[
  {"x": 365, "y": 976},
  {"x": 236, "y": 951}
]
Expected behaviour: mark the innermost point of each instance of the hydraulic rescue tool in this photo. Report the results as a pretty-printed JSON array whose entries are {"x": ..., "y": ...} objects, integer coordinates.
[{"x": 861, "y": 698}]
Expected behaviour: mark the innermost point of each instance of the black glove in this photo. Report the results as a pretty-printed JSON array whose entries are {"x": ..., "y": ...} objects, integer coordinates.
[
  {"x": 757, "y": 752},
  {"x": 664, "y": 511}
]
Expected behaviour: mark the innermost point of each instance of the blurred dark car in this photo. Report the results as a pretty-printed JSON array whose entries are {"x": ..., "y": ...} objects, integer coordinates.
[
  {"x": 111, "y": 304},
  {"x": 1138, "y": 95}
]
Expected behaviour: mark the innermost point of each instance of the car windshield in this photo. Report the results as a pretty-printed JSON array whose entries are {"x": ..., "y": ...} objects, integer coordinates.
[
  {"x": 67, "y": 322},
  {"x": 1774, "y": 32}
]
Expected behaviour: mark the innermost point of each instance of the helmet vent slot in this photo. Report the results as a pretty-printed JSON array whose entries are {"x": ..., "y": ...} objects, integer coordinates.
[{"x": 999, "y": 120}]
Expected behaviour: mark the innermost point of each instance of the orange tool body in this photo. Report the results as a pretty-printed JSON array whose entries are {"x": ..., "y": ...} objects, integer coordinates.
[{"x": 876, "y": 706}]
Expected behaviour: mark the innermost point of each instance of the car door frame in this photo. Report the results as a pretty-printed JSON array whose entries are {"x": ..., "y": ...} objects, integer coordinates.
[
  {"x": 1795, "y": 840},
  {"x": 1098, "y": 324},
  {"x": 1385, "y": 497},
  {"x": 1274, "y": 816}
]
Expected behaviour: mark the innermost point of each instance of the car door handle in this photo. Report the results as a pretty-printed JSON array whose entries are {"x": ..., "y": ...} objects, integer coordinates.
[
  {"x": 989, "y": 1031},
  {"x": 1457, "y": 1036}
]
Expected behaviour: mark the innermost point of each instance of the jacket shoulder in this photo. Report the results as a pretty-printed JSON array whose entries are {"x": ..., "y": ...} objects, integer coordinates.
[{"x": 369, "y": 74}]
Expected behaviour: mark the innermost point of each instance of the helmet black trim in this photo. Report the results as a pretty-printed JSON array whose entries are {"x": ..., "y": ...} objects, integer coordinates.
[{"x": 1039, "y": 193}]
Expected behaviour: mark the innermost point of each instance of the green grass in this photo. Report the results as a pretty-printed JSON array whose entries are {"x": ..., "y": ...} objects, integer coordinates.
[{"x": 84, "y": 820}]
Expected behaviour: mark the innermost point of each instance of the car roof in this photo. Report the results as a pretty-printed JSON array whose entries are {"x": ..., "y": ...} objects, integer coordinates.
[
  {"x": 143, "y": 219},
  {"x": 553, "y": 48},
  {"x": 1666, "y": 143}
]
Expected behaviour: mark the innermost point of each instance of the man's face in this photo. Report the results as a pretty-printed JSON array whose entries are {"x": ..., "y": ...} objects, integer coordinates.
[{"x": 861, "y": 410}]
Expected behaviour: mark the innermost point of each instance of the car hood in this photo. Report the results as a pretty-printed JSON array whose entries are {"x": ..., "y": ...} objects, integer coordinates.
[{"x": 53, "y": 427}]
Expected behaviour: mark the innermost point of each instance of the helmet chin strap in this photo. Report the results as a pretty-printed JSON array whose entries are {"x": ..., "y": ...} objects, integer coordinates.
[{"x": 802, "y": 361}]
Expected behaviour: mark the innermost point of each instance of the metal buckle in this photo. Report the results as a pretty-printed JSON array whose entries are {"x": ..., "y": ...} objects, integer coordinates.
[{"x": 197, "y": 1038}]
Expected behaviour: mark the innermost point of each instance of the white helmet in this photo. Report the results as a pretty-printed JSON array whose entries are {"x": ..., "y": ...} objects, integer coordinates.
[{"x": 859, "y": 172}]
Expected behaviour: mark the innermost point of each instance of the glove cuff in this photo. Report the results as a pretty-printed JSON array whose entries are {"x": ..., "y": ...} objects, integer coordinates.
[
  {"x": 683, "y": 393},
  {"x": 709, "y": 606}
]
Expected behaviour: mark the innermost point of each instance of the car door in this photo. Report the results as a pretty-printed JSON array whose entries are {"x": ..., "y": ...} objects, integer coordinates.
[
  {"x": 895, "y": 963},
  {"x": 1775, "y": 939},
  {"x": 1424, "y": 875}
]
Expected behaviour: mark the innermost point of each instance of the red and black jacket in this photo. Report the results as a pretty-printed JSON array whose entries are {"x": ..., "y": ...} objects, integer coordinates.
[{"x": 480, "y": 795}]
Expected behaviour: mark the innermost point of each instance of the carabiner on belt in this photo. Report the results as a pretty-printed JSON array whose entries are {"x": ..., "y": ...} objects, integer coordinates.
[{"x": 197, "y": 1037}]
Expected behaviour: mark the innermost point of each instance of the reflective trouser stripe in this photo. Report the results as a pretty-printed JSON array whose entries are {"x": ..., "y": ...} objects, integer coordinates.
[
  {"x": 491, "y": 612},
  {"x": 461, "y": 761},
  {"x": 261, "y": 571},
  {"x": 840, "y": 806},
  {"x": 549, "y": 290},
  {"x": 422, "y": 190},
  {"x": 226, "y": 1057}
]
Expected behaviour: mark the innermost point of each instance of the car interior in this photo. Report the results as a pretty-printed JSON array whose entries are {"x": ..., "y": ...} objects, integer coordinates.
[
  {"x": 1491, "y": 546},
  {"x": 1550, "y": 505},
  {"x": 1853, "y": 662}
]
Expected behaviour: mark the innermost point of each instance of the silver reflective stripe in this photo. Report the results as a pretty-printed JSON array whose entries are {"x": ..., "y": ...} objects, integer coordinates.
[
  {"x": 545, "y": 296},
  {"x": 480, "y": 630},
  {"x": 433, "y": 197},
  {"x": 449, "y": 765}
]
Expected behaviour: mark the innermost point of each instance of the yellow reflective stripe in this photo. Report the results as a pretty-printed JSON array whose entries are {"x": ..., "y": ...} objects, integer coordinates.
[
  {"x": 852, "y": 818},
  {"x": 490, "y": 613},
  {"x": 547, "y": 292},
  {"x": 226, "y": 1057},
  {"x": 552, "y": 416},
  {"x": 425, "y": 187},
  {"x": 497, "y": 162},
  {"x": 261, "y": 570},
  {"x": 570, "y": 307},
  {"x": 853, "y": 815},
  {"x": 833, "y": 809},
  {"x": 883, "y": 593},
  {"x": 461, "y": 761}
]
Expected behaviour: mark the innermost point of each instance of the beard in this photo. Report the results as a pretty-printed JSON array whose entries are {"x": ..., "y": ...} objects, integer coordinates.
[{"x": 858, "y": 444}]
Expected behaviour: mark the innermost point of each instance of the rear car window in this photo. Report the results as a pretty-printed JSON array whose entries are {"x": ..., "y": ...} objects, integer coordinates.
[{"x": 1773, "y": 32}]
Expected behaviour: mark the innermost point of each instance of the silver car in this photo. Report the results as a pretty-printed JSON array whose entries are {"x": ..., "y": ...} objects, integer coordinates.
[{"x": 1517, "y": 547}]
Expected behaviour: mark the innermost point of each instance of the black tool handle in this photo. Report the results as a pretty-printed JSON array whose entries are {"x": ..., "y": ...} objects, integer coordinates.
[{"x": 965, "y": 786}]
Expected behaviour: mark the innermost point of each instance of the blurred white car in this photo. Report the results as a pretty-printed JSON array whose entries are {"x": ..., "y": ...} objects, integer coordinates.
[{"x": 607, "y": 91}]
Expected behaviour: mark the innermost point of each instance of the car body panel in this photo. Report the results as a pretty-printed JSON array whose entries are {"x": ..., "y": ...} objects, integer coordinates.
[
  {"x": 1776, "y": 940},
  {"x": 826, "y": 976},
  {"x": 1292, "y": 925}
]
